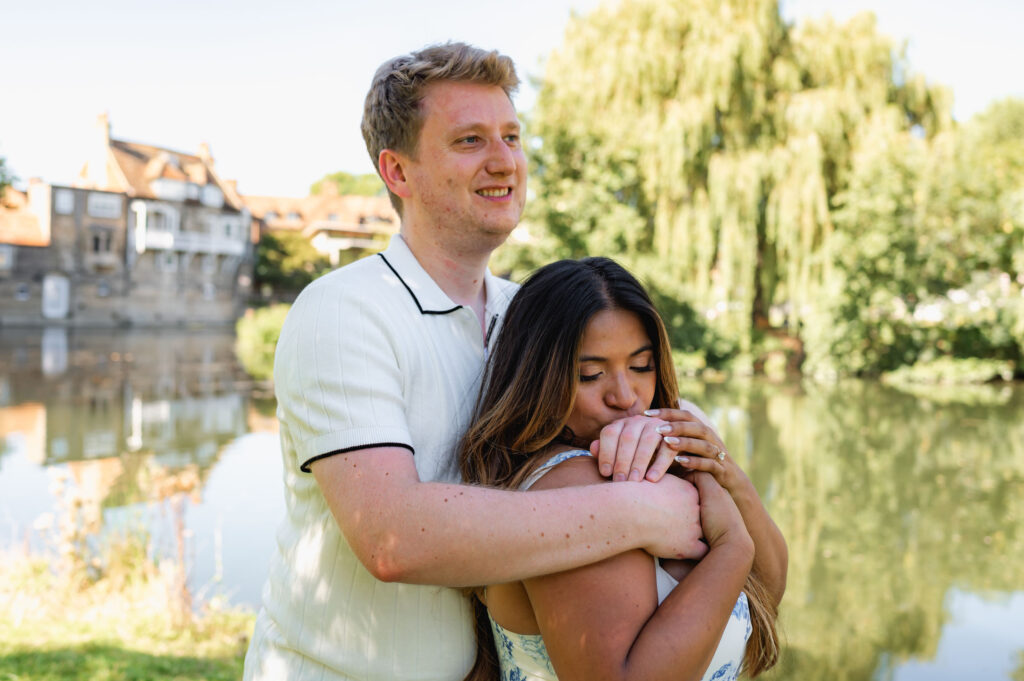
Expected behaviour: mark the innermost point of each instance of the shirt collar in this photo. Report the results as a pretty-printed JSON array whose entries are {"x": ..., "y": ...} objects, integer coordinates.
[{"x": 425, "y": 292}]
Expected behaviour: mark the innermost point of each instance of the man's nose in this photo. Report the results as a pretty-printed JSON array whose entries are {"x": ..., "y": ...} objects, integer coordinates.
[{"x": 502, "y": 159}]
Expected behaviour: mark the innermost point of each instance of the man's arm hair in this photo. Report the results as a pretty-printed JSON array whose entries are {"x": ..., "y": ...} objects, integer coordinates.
[{"x": 406, "y": 530}]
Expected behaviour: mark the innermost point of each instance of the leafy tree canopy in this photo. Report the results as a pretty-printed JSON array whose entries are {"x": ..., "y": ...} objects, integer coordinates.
[
  {"x": 286, "y": 261},
  {"x": 367, "y": 184},
  {"x": 796, "y": 185}
]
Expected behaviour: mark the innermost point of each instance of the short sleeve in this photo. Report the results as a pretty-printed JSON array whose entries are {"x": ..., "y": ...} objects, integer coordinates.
[{"x": 337, "y": 375}]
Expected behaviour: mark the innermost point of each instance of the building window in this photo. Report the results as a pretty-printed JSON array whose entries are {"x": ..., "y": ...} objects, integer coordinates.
[
  {"x": 333, "y": 217},
  {"x": 269, "y": 216},
  {"x": 103, "y": 205},
  {"x": 102, "y": 240},
  {"x": 293, "y": 215},
  {"x": 230, "y": 264},
  {"x": 157, "y": 221},
  {"x": 21, "y": 292},
  {"x": 212, "y": 196},
  {"x": 102, "y": 288},
  {"x": 209, "y": 263},
  {"x": 64, "y": 201},
  {"x": 209, "y": 291}
]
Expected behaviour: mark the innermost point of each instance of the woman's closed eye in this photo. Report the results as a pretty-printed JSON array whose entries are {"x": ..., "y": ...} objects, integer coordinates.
[{"x": 645, "y": 369}]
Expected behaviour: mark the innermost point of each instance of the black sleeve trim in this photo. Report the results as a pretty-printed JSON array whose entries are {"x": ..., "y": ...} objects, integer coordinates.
[{"x": 305, "y": 466}]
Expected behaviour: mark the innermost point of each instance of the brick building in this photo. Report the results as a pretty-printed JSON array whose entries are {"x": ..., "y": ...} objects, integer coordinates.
[{"x": 146, "y": 236}]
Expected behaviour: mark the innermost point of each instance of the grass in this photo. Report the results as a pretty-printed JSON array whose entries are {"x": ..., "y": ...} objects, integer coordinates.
[{"x": 123, "y": 621}]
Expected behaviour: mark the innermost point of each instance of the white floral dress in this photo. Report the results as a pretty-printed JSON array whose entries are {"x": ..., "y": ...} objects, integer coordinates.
[{"x": 524, "y": 657}]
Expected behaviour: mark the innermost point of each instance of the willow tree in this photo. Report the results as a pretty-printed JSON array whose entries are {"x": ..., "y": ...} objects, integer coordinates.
[{"x": 703, "y": 143}]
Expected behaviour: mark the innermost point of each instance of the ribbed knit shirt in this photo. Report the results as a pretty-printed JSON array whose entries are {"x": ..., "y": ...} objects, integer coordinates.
[{"x": 373, "y": 354}]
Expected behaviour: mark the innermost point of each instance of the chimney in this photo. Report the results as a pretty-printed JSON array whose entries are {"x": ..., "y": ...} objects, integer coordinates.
[
  {"x": 97, "y": 162},
  {"x": 103, "y": 128},
  {"x": 204, "y": 153}
]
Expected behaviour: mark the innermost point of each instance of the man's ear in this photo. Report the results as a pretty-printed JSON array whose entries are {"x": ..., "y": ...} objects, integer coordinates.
[{"x": 392, "y": 171}]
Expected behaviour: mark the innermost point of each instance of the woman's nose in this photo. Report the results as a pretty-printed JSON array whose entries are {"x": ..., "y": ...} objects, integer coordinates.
[{"x": 621, "y": 394}]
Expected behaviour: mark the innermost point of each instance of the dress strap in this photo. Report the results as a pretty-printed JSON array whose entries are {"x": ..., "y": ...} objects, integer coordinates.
[{"x": 551, "y": 463}]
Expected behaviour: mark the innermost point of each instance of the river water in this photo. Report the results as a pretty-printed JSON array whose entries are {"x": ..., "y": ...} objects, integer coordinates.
[{"x": 903, "y": 510}]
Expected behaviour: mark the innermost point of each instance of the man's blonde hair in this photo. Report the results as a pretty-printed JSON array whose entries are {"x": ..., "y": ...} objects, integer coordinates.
[{"x": 392, "y": 118}]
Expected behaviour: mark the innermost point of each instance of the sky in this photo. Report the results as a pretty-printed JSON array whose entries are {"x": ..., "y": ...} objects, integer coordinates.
[{"x": 276, "y": 89}]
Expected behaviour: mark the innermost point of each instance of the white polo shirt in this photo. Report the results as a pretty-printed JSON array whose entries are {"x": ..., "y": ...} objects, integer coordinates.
[{"x": 373, "y": 354}]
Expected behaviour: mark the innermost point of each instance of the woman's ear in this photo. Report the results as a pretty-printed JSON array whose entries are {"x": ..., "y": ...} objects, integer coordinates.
[{"x": 392, "y": 171}]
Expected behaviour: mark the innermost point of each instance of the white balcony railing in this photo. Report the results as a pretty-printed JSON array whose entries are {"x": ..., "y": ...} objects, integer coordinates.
[{"x": 193, "y": 242}]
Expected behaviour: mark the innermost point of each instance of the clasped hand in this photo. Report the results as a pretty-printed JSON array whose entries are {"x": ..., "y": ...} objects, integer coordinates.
[{"x": 644, "y": 446}]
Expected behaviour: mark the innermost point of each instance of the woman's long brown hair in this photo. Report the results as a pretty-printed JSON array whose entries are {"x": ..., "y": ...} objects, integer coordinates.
[{"x": 529, "y": 391}]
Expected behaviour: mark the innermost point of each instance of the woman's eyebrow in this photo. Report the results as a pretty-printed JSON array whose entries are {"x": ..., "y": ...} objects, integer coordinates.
[{"x": 595, "y": 358}]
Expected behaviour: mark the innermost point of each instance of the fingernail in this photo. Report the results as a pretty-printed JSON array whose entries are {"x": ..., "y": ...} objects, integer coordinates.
[
  {"x": 672, "y": 440},
  {"x": 634, "y": 475},
  {"x": 683, "y": 460},
  {"x": 606, "y": 469},
  {"x": 651, "y": 412},
  {"x": 619, "y": 477},
  {"x": 664, "y": 429}
]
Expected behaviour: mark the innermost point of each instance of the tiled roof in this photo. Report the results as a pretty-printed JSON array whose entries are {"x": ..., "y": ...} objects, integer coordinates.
[
  {"x": 20, "y": 227},
  {"x": 142, "y": 163},
  {"x": 371, "y": 214},
  {"x": 12, "y": 198}
]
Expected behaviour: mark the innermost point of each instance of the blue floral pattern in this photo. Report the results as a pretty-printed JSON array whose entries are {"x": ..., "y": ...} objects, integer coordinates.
[{"x": 524, "y": 657}]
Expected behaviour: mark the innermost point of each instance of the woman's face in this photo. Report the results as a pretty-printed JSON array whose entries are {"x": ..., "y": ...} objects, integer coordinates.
[{"x": 616, "y": 372}]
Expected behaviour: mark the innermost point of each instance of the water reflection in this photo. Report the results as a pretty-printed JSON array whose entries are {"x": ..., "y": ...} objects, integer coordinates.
[
  {"x": 137, "y": 421},
  {"x": 889, "y": 501},
  {"x": 903, "y": 509}
]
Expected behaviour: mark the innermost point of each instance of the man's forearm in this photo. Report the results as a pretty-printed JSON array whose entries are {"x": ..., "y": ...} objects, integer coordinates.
[
  {"x": 458, "y": 535},
  {"x": 461, "y": 535}
]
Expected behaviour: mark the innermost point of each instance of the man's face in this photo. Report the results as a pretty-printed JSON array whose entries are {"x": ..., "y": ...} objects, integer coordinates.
[{"x": 468, "y": 177}]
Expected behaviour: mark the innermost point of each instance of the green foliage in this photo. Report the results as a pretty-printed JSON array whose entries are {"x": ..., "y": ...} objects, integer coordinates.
[
  {"x": 795, "y": 187},
  {"x": 110, "y": 628},
  {"x": 286, "y": 261},
  {"x": 367, "y": 184},
  {"x": 949, "y": 370},
  {"x": 6, "y": 178},
  {"x": 257, "y": 333}
]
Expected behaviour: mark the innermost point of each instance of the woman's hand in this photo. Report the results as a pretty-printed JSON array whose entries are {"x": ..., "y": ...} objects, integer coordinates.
[
  {"x": 720, "y": 518},
  {"x": 697, "y": 447},
  {"x": 626, "y": 447}
]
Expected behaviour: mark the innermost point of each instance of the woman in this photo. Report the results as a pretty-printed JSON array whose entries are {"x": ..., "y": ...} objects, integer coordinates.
[{"x": 582, "y": 346}]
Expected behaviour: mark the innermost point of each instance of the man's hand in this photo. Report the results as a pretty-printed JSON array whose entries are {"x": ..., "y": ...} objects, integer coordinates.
[{"x": 676, "y": 518}]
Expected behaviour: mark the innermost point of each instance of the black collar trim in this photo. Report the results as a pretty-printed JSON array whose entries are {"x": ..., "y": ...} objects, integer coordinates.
[{"x": 414, "y": 298}]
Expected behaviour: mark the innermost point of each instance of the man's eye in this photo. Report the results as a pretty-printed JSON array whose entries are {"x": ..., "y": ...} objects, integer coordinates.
[
  {"x": 471, "y": 139},
  {"x": 512, "y": 139},
  {"x": 587, "y": 378}
]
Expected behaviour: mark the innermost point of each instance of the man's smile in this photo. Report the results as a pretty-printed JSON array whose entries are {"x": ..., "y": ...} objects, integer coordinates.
[{"x": 495, "y": 193}]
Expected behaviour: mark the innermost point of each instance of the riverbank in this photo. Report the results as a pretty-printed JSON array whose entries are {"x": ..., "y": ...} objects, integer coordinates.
[{"x": 122, "y": 619}]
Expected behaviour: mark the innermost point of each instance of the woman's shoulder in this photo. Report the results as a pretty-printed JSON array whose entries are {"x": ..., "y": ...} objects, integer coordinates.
[{"x": 568, "y": 468}]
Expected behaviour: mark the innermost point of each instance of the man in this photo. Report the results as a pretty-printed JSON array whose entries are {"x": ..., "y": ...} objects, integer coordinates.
[{"x": 376, "y": 373}]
